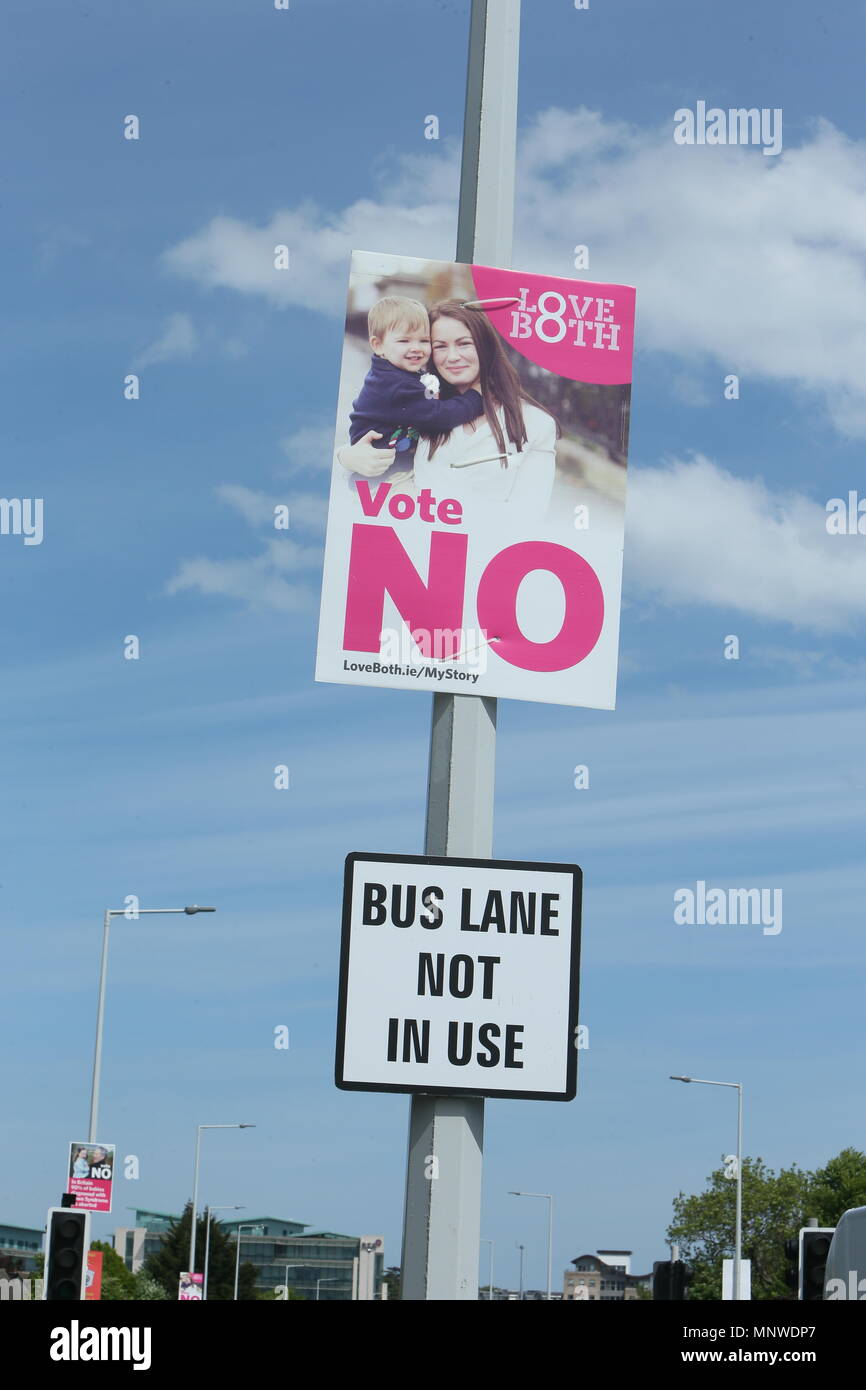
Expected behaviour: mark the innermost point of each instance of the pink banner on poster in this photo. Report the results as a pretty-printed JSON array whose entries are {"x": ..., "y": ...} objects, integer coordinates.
[{"x": 580, "y": 331}]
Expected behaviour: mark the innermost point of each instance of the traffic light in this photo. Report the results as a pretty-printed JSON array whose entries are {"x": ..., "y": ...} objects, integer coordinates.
[
  {"x": 671, "y": 1279},
  {"x": 682, "y": 1275},
  {"x": 814, "y": 1249},
  {"x": 661, "y": 1280},
  {"x": 66, "y": 1244},
  {"x": 792, "y": 1264}
]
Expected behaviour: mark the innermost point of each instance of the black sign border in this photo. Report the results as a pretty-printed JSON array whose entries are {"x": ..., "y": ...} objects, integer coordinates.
[{"x": 576, "y": 872}]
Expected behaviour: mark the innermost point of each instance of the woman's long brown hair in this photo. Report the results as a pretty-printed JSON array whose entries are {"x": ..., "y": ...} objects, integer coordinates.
[{"x": 500, "y": 384}]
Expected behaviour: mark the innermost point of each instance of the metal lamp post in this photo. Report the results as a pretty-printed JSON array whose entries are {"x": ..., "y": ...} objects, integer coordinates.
[
  {"x": 250, "y": 1226},
  {"x": 738, "y": 1218},
  {"x": 207, "y": 1212},
  {"x": 442, "y": 1220},
  {"x": 103, "y": 971},
  {"x": 329, "y": 1280},
  {"x": 293, "y": 1264},
  {"x": 548, "y": 1197},
  {"x": 192, "y": 1224}
]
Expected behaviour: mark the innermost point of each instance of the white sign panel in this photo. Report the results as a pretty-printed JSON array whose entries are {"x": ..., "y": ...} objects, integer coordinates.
[
  {"x": 728, "y": 1279},
  {"x": 459, "y": 976}
]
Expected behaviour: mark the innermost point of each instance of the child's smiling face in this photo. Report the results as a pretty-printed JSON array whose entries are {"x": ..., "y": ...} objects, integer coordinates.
[{"x": 406, "y": 348}]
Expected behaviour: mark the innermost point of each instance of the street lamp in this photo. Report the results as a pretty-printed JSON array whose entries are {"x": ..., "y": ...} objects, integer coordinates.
[
  {"x": 329, "y": 1280},
  {"x": 257, "y": 1230},
  {"x": 192, "y": 1230},
  {"x": 100, "y": 1008},
  {"x": 485, "y": 1241},
  {"x": 548, "y": 1197},
  {"x": 521, "y": 1248},
  {"x": 293, "y": 1264},
  {"x": 738, "y": 1218},
  {"x": 207, "y": 1212}
]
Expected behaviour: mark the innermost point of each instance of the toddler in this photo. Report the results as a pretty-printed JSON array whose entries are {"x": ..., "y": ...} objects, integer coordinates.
[{"x": 396, "y": 400}]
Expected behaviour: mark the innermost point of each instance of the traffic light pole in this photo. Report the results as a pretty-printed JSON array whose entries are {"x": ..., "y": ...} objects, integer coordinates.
[{"x": 442, "y": 1221}]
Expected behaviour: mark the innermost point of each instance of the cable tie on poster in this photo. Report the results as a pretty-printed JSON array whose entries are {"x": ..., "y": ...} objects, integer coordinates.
[
  {"x": 467, "y": 651},
  {"x": 487, "y": 459},
  {"x": 484, "y": 303}
]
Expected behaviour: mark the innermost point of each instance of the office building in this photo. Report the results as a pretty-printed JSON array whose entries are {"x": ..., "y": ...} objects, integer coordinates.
[
  {"x": 19, "y": 1246},
  {"x": 604, "y": 1277},
  {"x": 323, "y": 1265}
]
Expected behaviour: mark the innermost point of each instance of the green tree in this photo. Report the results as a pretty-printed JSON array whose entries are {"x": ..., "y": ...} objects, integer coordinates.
[
  {"x": 773, "y": 1208},
  {"x": 392, "y": 1277},
  {"x": 840, "y": 1184},
  {"x": 167, "y": 1263},
  {"x": 147, "y": 1289}
]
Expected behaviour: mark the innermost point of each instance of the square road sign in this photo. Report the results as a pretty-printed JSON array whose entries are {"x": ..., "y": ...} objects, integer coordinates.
[{"x": 459, "y": 977}]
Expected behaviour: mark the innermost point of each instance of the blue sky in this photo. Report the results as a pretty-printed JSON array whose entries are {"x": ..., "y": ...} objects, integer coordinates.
[{"x": 155, "y": 777}]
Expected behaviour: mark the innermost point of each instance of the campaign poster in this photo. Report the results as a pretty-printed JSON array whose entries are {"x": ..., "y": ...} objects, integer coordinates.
[
  {"x": 189, "y": 1287},
  {"x": 93, "y": 1275},
  {"x": 477, "y": 502},
  {"x": 90, "y": 1175}
]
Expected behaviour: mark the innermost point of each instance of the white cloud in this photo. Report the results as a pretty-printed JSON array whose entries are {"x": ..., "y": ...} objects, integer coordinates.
[
  {"x": 260, "y": 581},
  {"x": 310, "y": 449},
  {"x": 306, "y": 509},
  {"x": 756, "y": 264},
  {"x": 697, "y": 535},
  {"x": 236, "y": 255},
  {"x": 254, "y": 507},
  {"x": 689, "y": 389},
  {"x": 178, "y": 341}
]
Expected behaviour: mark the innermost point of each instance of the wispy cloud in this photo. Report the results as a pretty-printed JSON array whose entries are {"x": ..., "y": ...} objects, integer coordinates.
[
  {"x": 307, "y": 510},
  {"x": 261, "y": 581},
  {"x": 176, "y": 343},
  {"x": 734, "y": 254},
  {"x": 695, "y": 534},
  {"x": 310, "y": 449}
]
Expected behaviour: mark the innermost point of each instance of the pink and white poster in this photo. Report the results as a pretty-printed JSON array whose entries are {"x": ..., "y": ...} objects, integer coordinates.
[
  {"x": 90, "y": 1175},
  {"x": 190, "y": 1287},
  {"x": 476, "y": 513}
]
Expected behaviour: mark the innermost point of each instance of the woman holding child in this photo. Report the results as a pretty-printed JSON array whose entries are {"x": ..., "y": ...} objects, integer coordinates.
[{"x": 502, "y": 451}]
